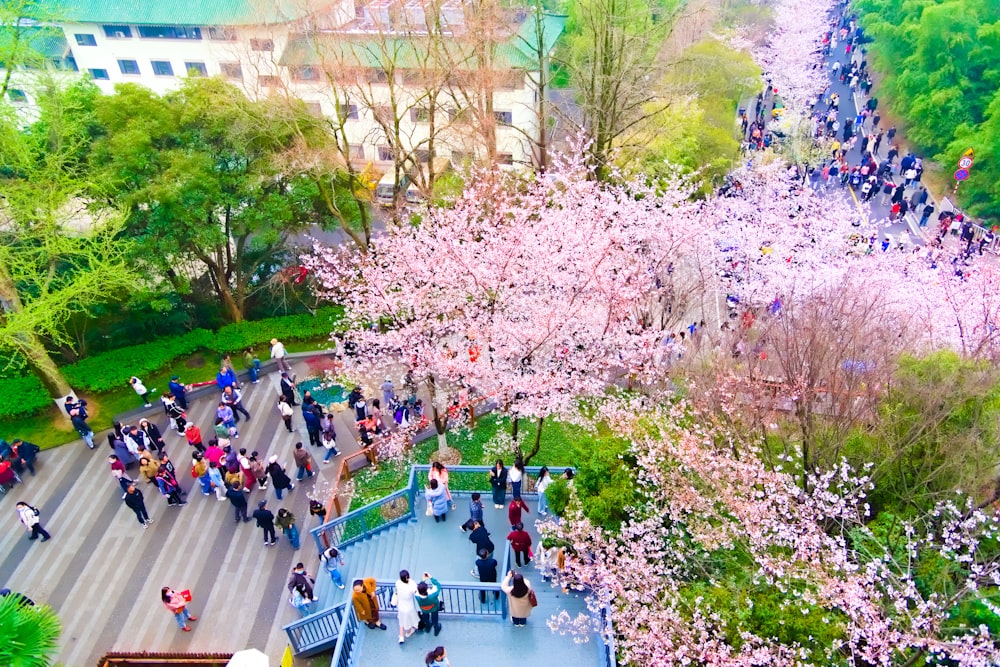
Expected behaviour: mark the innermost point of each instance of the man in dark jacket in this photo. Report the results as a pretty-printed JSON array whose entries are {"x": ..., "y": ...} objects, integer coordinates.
[
  {"x": 288, "y": 388},
  {"x": 486, "y": 570},
  {"x": 301, "y": 577},
  {"x": 481, "y": 538},
  {"x": 179, "y": 391},
  {"x": 265, "y": 520},
  {"x": 279, "y": 478},
  {"x": 134, "y": 501},
  {"x": 312, "y": 423},
  {"x": 239, "y": 502},
  {"x": 23, "y": 454}
]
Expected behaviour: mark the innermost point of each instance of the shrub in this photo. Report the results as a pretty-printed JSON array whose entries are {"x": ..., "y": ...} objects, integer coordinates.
[
  {"x": 23, "y": 396},
  {"x": 111, "y": 370},
  {"x": 558, "y": 496},
  {"x": 241, "y": 335}
]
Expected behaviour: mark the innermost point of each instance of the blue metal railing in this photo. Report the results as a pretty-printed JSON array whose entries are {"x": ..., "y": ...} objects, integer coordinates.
[
  {"x": 461, "y": 599},
  {"x": 364, "y": 522},
  {"x": 316, "y": 632},
  {"x": 343, "y": 653}
]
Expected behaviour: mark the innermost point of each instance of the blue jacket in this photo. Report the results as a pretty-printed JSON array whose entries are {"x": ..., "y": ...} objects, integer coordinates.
[
  {"x": 226, "y": 378},
  {"x": 177, "y": 389},
  {"x": 438, "y": 500},
  {"x": 312, "y": 422}
]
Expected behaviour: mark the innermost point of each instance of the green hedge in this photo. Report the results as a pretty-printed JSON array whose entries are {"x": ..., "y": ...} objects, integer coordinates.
[
  {"x": 239, "y": 336},
  {"x": 23, "y": 396},
  {"x": 111, "y": 370}
]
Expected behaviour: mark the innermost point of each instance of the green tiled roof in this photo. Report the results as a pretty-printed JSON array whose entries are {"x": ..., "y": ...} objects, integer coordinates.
[
  {"x": 182, "y": 12},
  {"x": 372, "y": 51}
]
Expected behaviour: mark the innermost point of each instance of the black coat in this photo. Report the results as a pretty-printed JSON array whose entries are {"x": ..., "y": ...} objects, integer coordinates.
[
  {"x": 265, "y": 518},
  {"x": 134, "y": 500},
  {"x": 278, "y": 476},
  {"x": 481, "y": 538},
  {"x": 236, "y": 497},
  {"x": 487, "y": 569}
]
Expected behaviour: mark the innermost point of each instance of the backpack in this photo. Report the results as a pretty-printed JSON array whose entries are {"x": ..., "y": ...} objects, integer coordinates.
[{"x": 34, "y": 509}]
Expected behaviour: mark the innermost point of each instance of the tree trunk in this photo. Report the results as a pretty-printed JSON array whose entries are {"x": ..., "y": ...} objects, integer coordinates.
[
  {"x": 538, "y": 442},
  {"x": 442, "y": 443},
  {"x": 40, "y": 361}
]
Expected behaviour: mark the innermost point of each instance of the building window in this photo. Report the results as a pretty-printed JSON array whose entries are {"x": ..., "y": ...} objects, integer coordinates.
[
  {"x": 422, "y": 155},
  {"x": 117, "y": 31},
  {"x": 385, "y": 153},
  {"x": 504, "y": 117},
  {"x": 511, "y": 80},
  {"x": 85, "y": 39},
  {"x": 356, "y": 151},
  {"x": 99, "y": 74},
  {"x": 17, "y": 96},
  {"x": 169, "y": 32},
  {"x": 128, "y": 66},
  {"x": 262, "y": 45},
  {"x": 459, "y": 115},
  {"x": 420, "y": 115},
  {"x": 222, "y": 33},
  {"x": 376, "y": 75},
  {"x": 232, "y": 70},
  {"x": 305, "y": 73},
  {"x": 348, "y": 112},
  {"x": 162, "y": 68},
  {"x": 315, "y": 108},
  {"x": 460, "y": 157},
  {"x": 196, "y": 69},
  {"x": 505, "y": 158},
  {"x": 268, "y": 80}
]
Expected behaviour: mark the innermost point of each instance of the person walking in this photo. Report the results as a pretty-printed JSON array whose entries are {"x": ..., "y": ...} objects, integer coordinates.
[
  {"x": 259, "y": 470},
  {"x": 520, "y": 597},
  {"x": 404, "y": 600},
  {"x": 80, "y": 424},
  {"x": 520, "y": 543},
  {"x": 175, "y": 412},
  {"x": 140, "y": 390},
  {"x": 437, "y": 657},
  {"x": 486, "y": 571},
  {"x": 303, "y": 462},
  {"x": 199, "y": 470},
  {"x": 134, "y": 501},
  {"x": 239, "y": 502},
  {"x": 279, "y": 478},
  {"x": 226, "y": 377},
  {"x": 233, "y": 398},
  {"x": 154, "y": 439},
  {"x": 333, "y": 561},
  {"x": 475, "y": 513},
  {"x": 169, "y": 487},
  {"x": 265, "y": 521},
  {"x": 429, "y": 603},
  {"x": 286, "y": 521},
  {"x": 176, "y": 603},
  {"x": 286, "y": 412},
  {"x": 28, "y": 516},
  {"x": 543, "y": 482},
  {"x": 514, "y": 511},
  {"x": 498, "y": 481},
  {"x": 278, "y": 353},
  {"x": 365, "y": 603},
  {"x": 329, "y": 437},
  {"x": 193, "y": 436},
  {"x": 225, "y": 416},
  {"x": 436, "y": 501},
  {"x": 312, "y": 414},
  {"x": 215, "y": 481}
]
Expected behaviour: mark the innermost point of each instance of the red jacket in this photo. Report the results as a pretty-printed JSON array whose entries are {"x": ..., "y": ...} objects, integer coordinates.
[{"x": 520, "y": 540}]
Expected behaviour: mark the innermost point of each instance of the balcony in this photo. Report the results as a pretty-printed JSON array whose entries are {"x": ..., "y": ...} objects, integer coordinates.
[{"x": 393, "y": 534}]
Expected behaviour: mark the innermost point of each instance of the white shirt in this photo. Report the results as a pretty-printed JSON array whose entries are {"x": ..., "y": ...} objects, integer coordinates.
[
  {"x": 278, "y": 351},
  {"x": 514, "y": 474}
]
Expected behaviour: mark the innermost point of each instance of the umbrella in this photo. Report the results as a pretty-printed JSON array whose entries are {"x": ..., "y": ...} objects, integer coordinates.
[{"x": 250, "y": 657}]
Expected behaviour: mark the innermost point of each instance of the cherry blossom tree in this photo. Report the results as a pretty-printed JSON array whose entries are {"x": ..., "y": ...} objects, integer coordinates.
[
  {"x": 728, "y": 562},
  {"x": 533, "y": 291}
]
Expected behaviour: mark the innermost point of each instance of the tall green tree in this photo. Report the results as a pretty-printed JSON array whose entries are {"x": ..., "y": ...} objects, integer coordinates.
[
  {"x": 56, "y": 259},
  {"x": 610, "y": 53},
  {"x": 209, "y": 182},
  {"x": 26, "y": 26}
]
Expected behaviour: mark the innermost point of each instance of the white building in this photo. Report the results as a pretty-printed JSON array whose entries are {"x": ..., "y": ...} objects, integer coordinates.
[{"x": 348, "y": 60}]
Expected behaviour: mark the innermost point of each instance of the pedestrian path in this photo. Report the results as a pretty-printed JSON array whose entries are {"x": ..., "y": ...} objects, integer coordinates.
[{"x": 102, "y": 572}]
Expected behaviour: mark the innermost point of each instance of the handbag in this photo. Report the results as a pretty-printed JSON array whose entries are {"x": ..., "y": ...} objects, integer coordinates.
[
  {"x": 394, "y": 600},
  {"x": 532, "y": 599},
  {"x": 430, "y": 509},
  {"x": 186, "y": 594}
]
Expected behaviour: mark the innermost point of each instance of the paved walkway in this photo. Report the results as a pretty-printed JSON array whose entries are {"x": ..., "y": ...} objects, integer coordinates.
[{"x": 102, "y": 572}]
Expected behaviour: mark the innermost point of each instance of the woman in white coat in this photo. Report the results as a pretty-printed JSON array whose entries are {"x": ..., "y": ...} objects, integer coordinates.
[{"x": 406, "y": 606}]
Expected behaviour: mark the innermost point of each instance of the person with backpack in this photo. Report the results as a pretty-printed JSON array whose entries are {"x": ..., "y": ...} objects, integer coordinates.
[
  {"x": 333, "y": 561},
  {"x": 28, "y": 516},
  {"x": 286, "y": 412}
]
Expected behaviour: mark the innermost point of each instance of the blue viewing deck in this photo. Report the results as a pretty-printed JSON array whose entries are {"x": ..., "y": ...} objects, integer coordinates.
[{"x": 394, "y": 534}]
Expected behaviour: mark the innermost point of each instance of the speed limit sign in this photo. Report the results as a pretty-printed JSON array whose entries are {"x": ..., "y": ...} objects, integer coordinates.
[{"x": 965, "y": 163}]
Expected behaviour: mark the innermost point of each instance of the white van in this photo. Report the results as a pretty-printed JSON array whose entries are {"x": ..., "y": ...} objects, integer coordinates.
[{"x": 386, "y": 188}]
